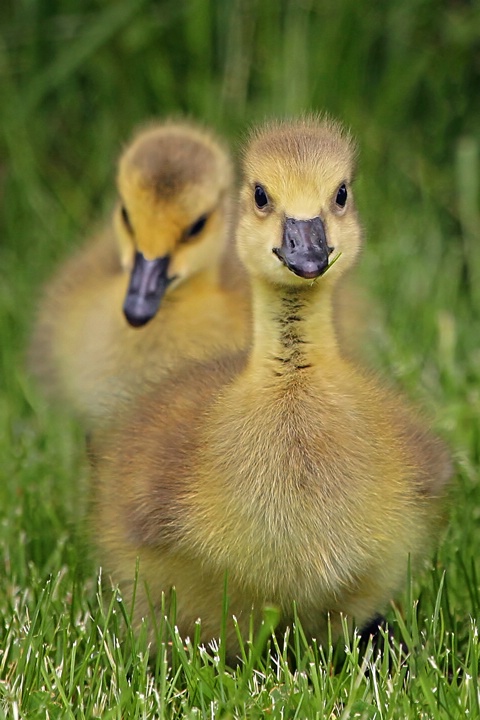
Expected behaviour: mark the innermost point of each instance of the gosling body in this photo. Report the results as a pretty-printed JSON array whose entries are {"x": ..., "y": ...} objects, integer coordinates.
[
  {"x": 286, "y": 469},
  {"x": 152, "y": 290}
]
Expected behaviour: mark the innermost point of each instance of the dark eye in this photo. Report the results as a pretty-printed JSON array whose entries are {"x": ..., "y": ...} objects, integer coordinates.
[
  {"x": 342, "y": 195},
  {"x": 261, "y": 197},
  {"x": 126, "y": 219},
  {"x": 197, "y": 226}
]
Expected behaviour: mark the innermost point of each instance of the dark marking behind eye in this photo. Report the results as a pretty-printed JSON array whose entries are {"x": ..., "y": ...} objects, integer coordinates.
[{"x": 126, "y": 219}]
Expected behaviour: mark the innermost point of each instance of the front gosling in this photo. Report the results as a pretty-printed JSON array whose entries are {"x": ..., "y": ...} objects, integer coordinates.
[{"x": 286, "y": 469}]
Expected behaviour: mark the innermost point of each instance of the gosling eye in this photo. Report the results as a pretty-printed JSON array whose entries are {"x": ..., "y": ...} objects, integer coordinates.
[
  {"x": 197, "y": 227},
  {"x": 342, "y": 195},
  {"x": 126, "y": 219},
  {"x": 261, "y": 197}
]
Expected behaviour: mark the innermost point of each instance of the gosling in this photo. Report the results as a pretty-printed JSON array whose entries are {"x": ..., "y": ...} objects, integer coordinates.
[
  {"x": 285, "y": 469},
  {"x": 155, "y": 288}
]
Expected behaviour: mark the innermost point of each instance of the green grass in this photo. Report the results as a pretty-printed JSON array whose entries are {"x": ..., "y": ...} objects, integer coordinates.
[{"x": 74, "y": 80}]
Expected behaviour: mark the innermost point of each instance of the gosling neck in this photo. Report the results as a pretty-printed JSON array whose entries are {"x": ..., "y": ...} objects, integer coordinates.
[{"x": 293, "y": 327}]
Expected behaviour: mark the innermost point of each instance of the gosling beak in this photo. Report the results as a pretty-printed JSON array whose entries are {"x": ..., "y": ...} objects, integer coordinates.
[
  {"x": 304, "y": 248},
  {"x": 148, "y": 283}
]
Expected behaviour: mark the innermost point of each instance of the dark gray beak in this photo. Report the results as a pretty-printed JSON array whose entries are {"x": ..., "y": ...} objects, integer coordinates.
[
  {"x": 304, "y": 248},
  {"x": 148, "y": 283}
]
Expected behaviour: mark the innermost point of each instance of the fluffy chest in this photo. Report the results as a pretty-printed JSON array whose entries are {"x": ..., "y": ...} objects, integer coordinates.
[
  {"x": 291, "y": 439},
  {"x": 286, "y": 483}
]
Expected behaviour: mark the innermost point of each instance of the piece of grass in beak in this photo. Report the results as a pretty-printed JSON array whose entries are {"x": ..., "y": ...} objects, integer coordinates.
[{"x": 327, "y": 268}]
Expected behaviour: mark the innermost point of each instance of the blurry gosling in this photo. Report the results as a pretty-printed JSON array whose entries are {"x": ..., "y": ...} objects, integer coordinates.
[
  {"x": 159, "y": 268},
  {"x": 286, "y": 469}
]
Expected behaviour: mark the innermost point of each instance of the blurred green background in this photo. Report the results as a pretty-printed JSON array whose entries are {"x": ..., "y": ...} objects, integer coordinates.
[{"x": 77, "y": 76}]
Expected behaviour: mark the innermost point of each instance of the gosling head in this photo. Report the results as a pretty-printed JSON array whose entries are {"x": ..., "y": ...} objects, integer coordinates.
[
  {"x": 297, "y": 218},
  {"x": 173, "y": 182}
]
